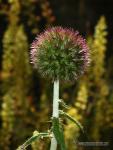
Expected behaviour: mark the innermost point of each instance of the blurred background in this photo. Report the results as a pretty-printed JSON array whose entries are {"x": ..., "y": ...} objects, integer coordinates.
[{"x": 26, "y": 98}]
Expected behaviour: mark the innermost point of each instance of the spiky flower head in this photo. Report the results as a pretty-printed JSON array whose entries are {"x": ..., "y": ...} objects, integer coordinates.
[{"x": 60, "y": 53}]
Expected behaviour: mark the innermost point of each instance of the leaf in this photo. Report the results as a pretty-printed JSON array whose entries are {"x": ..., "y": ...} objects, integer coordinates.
[
  {"x": 58, "y": 132},
  {"x": 36, "y": 136},
  {"x": 72, "y": 119},
  {"x": 63, "y": 104}
]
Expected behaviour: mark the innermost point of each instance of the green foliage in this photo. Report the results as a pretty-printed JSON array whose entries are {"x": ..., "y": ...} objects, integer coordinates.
[
  {"x": 72, "y": 119},
  {"x": 77, "y": 111},
  {"x": 36, "y": 136},
  {"x": 97, "y": 75},
  {"x": 63, "y": 104},
  {"x": 99, "y": 47},
  {"x": 58, "y": 132},
  {"x": 7, "y": 115},
  {"x": 15, "y": 74}
]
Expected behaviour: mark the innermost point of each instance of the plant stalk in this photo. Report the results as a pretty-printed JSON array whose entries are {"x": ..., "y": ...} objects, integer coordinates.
[{"x": 55, "y": 111}]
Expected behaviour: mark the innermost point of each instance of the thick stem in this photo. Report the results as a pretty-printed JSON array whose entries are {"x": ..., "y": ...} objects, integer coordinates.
[{"x": 55, "y": 110}]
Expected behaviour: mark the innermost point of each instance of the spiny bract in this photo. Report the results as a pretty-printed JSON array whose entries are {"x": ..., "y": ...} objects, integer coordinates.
[{"x": 60, "y": 53}]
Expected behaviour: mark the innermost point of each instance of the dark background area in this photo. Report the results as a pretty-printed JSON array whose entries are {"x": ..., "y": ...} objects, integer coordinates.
[{"x": 83, "y": 15}]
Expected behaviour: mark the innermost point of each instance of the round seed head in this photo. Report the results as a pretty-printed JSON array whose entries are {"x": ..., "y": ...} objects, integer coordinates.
[{"x": 60, "y": 53}]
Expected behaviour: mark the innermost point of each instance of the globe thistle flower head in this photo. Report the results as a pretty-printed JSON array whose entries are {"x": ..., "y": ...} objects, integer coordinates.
[{"x": 60, "y": 53}]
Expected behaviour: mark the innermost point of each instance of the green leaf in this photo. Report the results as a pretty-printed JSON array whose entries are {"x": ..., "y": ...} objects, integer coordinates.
[
  {"x": 36, "y": 136},
  {"x": 72, "y": 119},
  {"x": 58, "y": 132},
  {"x": 63, "y": 104}
]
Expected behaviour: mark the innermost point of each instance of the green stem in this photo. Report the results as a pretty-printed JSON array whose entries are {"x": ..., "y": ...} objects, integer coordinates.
[{"x": 55, "y": 111}]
